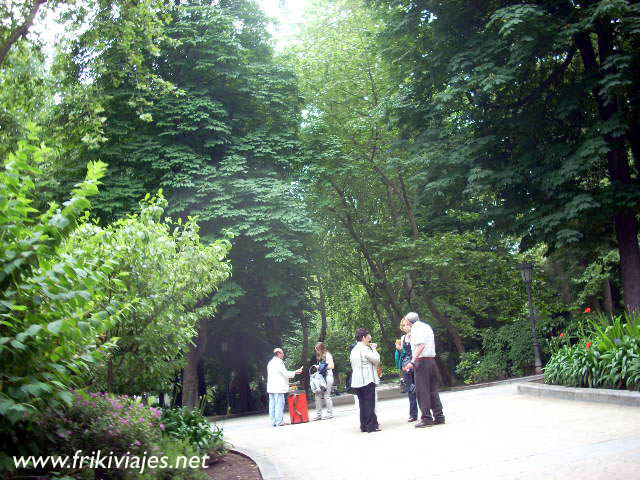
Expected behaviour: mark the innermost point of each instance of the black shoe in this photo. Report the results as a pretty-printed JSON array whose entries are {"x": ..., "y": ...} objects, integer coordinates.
[
  {"x": 439, "y": 421},
  {"x": 412, "y": 419},
  {"x": 376, "y": 430},
  {"x": 423, "y": 424}
]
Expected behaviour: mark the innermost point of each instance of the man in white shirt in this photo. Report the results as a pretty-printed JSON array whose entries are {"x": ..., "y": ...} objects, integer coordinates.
[
  {"x": 278, "y": 385},
  {"x": 423, "y": 362}
]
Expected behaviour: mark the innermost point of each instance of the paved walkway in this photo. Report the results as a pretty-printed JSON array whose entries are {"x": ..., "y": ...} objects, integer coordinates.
[{"x": 491, "y": 433}]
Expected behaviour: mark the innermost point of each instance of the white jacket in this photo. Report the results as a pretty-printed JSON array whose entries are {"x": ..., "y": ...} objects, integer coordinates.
[
  {"x": 278, "y": 376},
  {"x": 363, "y": 365}
]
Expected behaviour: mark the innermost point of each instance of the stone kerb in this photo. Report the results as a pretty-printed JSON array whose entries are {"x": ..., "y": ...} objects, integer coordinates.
[{"x": 620, "y": 397}]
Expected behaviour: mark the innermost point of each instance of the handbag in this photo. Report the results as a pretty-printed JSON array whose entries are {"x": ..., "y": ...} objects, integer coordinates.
[{"x": 318, "y": 383}]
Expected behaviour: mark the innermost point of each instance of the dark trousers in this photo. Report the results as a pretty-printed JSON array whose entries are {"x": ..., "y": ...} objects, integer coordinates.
[
  {"x": 367, "y": 402},
  {"x": 427, "y": 389},
  {"x": 413, "y": 404}
]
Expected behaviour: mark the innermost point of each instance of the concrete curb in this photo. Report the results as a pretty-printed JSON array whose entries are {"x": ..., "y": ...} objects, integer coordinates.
[
  {"x": 394, "y": 391},
  {"x": 602, "y": 395},
  {"x": 268, "y": 469}
]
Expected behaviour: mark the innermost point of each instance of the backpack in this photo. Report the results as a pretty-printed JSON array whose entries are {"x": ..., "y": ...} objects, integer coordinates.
[{"x": 317, "y": 382}]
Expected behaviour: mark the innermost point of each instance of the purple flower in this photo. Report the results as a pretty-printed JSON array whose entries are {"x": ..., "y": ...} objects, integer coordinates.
[{"x": 162, "y": 426}]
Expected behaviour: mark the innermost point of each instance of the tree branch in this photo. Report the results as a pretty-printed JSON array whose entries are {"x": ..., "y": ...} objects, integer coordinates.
[
  {"x": 555, "y": 76},
  {"x": 20, "y": 31}
]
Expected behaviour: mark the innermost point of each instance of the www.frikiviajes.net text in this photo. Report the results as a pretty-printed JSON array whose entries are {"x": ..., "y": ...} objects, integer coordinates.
[{"x": 97, "y": 460}]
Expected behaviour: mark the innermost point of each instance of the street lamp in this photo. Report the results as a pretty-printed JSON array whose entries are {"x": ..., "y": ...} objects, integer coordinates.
[{"x": 526, "y": 269}]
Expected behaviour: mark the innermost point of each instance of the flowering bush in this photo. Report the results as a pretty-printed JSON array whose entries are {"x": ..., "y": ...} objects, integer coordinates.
[
  {"x": 104, "y": 422},
  {"x": 114, "y": 425},
  {"x": 609, "y": 356}
]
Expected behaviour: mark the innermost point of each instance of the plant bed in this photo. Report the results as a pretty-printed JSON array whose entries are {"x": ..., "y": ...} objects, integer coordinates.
[{"x": 234, "y": 466}]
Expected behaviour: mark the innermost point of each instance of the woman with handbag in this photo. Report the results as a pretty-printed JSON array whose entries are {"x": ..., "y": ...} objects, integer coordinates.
[
  {"x": 404, "y": 359},
  {"x": 364, "y": 378},
  {"x": 325, "y": 367}
]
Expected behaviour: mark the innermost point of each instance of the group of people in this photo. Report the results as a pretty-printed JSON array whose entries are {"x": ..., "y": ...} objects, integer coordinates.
[{"x": 415, "y": 356}]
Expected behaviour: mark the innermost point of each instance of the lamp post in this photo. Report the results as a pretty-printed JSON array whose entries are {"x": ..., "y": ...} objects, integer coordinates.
[{"x": 526, "y": 269}]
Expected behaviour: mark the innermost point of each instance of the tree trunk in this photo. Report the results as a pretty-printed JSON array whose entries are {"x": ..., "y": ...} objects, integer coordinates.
[
  {"x": 561, "y": 275},
  {"x": 444, "y": 321},
  {"x": 627, "y": 235},
  {"x": 608, "y": 297},
  {"x": 190, "y": 379},
  {"x": 306, "y": 356},
  {"x": 240, "y": 384},
  {"x": 444, "y": 376},
  {"x": 618, "y": 166},
  {"x": 323, "y": 314},
  {"x": 21, "y": 31}
]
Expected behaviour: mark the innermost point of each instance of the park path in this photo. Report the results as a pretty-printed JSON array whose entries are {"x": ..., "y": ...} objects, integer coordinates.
[{"x": 491, "y": 433}]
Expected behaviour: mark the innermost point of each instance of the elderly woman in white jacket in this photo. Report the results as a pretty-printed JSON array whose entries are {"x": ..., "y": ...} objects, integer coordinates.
[{"x": 364, "y": 378}]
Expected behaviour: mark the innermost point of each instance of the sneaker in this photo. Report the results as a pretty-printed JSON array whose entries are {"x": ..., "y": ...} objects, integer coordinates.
[
  {"x": 439, "y": 421},
  {"x": 423, "y": 424},
  {"x": 327, "y": 417},
  {"x": 315, "y": 419},
  {"x": 412, "y": 419}
]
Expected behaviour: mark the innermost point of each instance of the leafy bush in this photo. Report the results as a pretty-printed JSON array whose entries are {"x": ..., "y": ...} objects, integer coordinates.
[
  {"x": 117, "y": 426},
  {"x": 610, "y": 360},
  {"x": 506, "y": 351},
  {"x": 189, "y": 425},
  {"x": 573, "y": 366},
  {"x": 49, "y": 320},
  {"x": 474, "y": 368},
  {"x": 165, "y": 273}
]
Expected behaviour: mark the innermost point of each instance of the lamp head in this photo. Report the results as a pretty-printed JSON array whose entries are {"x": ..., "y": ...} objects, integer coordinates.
[{"x": 526, "y": 269}]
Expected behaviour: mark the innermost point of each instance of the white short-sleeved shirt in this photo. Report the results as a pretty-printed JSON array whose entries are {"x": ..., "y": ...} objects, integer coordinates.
[{"x": 422, "y": 333}]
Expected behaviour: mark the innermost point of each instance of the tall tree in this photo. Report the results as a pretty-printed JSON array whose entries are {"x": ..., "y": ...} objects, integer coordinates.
[
  {"x": 220, "y": 146},
  {"x": 546, "y": 94}
]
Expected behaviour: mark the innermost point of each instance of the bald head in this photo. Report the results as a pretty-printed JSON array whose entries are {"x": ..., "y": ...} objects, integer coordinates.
[{"x": 412, "y": 317}]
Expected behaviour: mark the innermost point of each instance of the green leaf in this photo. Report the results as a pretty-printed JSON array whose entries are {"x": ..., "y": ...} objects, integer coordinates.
[{"x": 55, "y": 327}]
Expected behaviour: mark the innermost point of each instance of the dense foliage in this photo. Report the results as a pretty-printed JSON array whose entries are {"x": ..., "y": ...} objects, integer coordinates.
[
  {"x": 91, "y": 307},
  {"x": 605, "y": 355},
  {"x": 119, "y": 426},
  {"x": 397, "y": 155},
  {"x": 51, "y": 303}
]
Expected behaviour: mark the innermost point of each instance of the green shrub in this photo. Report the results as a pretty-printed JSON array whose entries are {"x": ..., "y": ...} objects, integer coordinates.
[
  {"x": 117, "y": 426},
  {"x": 190, "y": 426},
  {"x": 574, "y": 366},
  {"x": 475, "y": 368},
  {"x": 610, "y": 360},
  {"x": 506, "y": 352},
  {"x": 49, "y": 318}
]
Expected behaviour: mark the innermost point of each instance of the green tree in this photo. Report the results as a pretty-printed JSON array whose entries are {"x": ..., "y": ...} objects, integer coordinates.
[
  {"x": 221, "y": 146},
  {"x": 544, "y": 93},
  {"x": 164, "y": 274}
]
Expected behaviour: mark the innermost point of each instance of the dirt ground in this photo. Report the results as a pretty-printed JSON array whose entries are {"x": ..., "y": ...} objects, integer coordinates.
[{"x": 234, "y": 466}]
